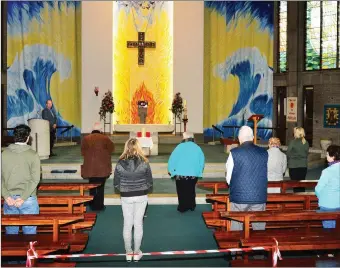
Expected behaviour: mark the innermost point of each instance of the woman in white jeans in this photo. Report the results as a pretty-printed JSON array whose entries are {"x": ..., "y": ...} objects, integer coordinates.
[{"x": 133, "y": 179}]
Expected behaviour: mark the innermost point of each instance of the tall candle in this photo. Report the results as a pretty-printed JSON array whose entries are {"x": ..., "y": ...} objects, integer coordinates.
[
  {"x": 184, "y": 103},
  {"x": 143, "y": 132}
]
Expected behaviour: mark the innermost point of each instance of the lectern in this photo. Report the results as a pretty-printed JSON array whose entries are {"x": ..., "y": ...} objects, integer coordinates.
[
  {"x": 40, "y": 133},
  {"x": 142, "y": 111},
  {"x": 256, "y": 118}
]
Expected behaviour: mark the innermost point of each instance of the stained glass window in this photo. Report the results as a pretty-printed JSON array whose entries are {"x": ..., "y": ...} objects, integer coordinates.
[
  {"x": 329, "y": 34},
  {"x": 283, "y": 36},
  {"x": 313, "y": 32},
  {"x": 322, "y": 35}
]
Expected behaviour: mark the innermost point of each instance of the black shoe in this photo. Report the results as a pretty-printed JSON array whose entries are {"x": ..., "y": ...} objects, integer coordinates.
[{"x": 52, "y": 154}]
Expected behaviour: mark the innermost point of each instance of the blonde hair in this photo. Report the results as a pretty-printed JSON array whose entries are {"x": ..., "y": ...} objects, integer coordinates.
[
  {"x": 299, "y": 133},
  {"x": 274, "y": 142},
  {"x": 132, "y": 148}
]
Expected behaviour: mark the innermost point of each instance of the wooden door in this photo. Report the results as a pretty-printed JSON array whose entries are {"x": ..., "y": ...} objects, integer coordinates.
[{"x": 281, "y": 98}]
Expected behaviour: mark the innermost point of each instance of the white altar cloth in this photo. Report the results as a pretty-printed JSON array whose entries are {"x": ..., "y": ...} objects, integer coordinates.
[
  {"x": 145, "y": 142},
  {"x": 147, "y": 127}
]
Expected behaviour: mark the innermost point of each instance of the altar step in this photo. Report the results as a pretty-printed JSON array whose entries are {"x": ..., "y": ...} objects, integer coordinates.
[
  {"x": 159, "y": 170},
  {"x": 64, "y": 143}
]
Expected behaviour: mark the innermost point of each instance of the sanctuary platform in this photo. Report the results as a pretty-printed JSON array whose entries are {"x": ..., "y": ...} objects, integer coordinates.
[{"x": 66, "y": 165}]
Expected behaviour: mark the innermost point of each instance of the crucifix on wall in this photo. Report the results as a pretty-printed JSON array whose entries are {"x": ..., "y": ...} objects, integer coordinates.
[{"x": 141, "y": 44}]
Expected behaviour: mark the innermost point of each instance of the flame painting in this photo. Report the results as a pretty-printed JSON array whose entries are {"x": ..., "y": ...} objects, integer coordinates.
[{"x": 143, "y": 94}]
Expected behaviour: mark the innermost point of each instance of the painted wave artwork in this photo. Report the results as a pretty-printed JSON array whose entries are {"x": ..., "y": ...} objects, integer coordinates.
[
  {"x": 29, "y": 75},
  {"x": 249, "y": 66}
]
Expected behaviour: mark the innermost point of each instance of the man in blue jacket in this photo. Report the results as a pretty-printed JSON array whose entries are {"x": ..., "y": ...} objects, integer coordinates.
[
  {"x": 186, "y": 165},
  {"x": 247, "y": 177}
]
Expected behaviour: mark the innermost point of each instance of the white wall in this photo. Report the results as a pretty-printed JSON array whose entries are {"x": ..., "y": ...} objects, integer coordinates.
[
  {"x": 96, "y": 58},
  {"x": 188, "y": 58}
]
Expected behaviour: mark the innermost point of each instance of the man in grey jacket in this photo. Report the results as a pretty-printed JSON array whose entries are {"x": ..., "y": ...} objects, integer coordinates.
[{"x": 49, "y": 115}]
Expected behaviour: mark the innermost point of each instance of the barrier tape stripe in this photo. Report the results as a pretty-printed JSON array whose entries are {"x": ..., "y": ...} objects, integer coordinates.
[{"x": 32, "y": 254}]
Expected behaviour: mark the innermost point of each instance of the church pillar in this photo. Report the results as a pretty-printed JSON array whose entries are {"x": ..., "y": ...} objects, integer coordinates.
[
  {"x": 294, "y": 60},
  {"x": 96, "y": 58}
]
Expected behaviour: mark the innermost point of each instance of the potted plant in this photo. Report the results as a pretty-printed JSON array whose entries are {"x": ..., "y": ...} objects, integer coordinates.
[
  {"x": 107, "y": 106},
  {"x": 177, "y": 106}
]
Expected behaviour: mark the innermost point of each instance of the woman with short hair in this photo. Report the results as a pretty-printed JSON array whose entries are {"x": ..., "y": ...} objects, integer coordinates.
[
  {"x": 297, "y": 155},
  {"x": 328, "y": 187},
  {"x": 277, "y": 163},
  {"x": 133, "y": 179},
  {"x": 186, "y": 165}
]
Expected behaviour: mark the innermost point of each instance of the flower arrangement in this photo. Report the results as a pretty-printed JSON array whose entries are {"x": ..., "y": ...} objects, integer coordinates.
[
  {"x": 177, "y": 105},
  {"x": 107, "y": 105}
]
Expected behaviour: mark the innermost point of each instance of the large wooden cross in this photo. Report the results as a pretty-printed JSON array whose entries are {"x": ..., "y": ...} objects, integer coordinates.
[{"x": 141, "y": 44}]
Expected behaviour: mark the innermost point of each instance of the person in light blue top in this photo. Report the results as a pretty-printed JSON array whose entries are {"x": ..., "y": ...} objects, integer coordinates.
[
  {"x": 186, "y": 165},
  {"x": 328, "y": 188}
]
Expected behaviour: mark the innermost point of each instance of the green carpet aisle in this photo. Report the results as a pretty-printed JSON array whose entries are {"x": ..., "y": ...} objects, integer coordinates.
[{"x": 164, "y": 229}]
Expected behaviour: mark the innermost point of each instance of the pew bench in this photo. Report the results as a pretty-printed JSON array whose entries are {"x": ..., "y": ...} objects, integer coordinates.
[
  {"x": 66, "y": 204},
  {"x": 79, "y": 185},
  {"x": 75, "y": 242},
  {"x": 278, "y": 202},
  {"x": 284, "y": 185},
  {"x": 275, "y": 202},
  {"x": 54, "y": 220},
  {"x": 266, "y": 216},
  {"x": 285, "y": 262}
]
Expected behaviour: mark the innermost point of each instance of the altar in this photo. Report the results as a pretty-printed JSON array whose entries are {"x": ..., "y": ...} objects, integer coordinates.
[
  {"x": 163, "y": 128},
  {"x": 147, "y": 134}
]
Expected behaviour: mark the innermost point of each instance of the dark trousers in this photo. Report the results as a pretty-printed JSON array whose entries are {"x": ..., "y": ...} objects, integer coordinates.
[
  {"x": 52, "y": 139},
  {"x": 98, "y": 193},
  {"x": 298, "y": 174},
  {"x": 186, "y": 194}
]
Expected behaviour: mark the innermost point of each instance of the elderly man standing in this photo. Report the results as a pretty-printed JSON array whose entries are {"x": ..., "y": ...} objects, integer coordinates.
[
  {"x": 247, "y": 177},
  {"x": 97, "y": 167}
]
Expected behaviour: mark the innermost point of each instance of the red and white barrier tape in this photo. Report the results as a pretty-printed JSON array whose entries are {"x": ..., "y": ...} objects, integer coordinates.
[{"x": 32, "y": 254}]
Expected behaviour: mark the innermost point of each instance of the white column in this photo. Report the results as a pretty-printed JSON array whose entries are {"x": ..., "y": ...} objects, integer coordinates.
[
  {"x": 188, "y": 59},
  {"x": 96, "y": 58}
]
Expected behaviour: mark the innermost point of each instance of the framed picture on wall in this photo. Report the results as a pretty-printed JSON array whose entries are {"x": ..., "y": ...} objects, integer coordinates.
[{"x": 331, "y": 116}]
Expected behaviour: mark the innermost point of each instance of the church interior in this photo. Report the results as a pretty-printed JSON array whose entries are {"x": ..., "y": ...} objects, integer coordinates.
[{"x": 155, "y": 71}]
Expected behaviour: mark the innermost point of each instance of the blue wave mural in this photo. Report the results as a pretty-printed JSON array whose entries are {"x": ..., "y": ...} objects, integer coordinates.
[
  {"x": 249, "y": 64},
  {"x": 33, "y": 65}
]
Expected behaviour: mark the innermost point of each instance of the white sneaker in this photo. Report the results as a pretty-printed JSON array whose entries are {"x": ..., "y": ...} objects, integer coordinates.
[
  {"x": 137, "y": 256},
  {"x": 129, "y": 257}
]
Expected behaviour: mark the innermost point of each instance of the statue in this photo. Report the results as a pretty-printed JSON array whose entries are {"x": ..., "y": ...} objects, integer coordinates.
[{"x": 142, "y": 111}]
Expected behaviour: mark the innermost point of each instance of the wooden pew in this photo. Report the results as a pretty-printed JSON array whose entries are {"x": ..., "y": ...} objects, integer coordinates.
[
  {"x": 80, "y": 185},
  {"x": 66, "y": 204},
  {"x": 304, "y": 200},
  {"x": 54, "y": 220},
  {"x": 294, "y": 239},
  {"x": 267, "y": 216},
  {"x": 286, "y": 262},
  {"x": 284, "y": 185},
  {"x": 275, "y": 202}
]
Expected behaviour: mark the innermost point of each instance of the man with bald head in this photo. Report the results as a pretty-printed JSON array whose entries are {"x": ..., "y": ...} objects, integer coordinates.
[
  {"x": 49, "y": 115},
  {"x": 247, "y": 177},
  {"x": 97, "y": 167}
]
